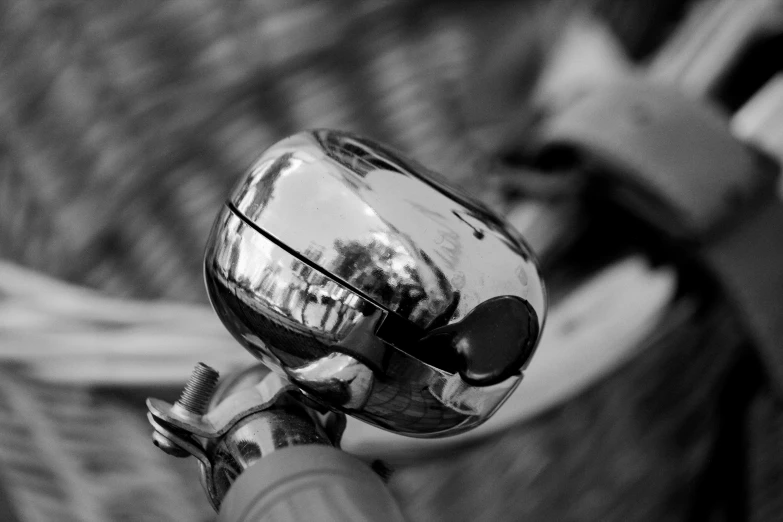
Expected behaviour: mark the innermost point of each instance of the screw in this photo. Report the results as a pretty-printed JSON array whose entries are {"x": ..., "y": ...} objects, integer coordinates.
[{"x": 199, "y": 389}]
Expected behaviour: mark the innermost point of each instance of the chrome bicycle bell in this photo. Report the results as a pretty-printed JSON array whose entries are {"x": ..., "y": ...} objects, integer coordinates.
[{"x": 373, "y": 286}]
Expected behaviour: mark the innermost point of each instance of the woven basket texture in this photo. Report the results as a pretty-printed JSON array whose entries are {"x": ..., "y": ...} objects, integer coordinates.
[{"x": 122, "y": 127}]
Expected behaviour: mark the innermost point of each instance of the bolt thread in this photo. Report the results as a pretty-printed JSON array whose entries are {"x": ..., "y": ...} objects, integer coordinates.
[{"x": 199, "y": 389}]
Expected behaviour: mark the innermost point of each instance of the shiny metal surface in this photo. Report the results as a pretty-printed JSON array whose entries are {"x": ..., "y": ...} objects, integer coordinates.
[
  {"x": 338, "y": 378},
  {"x": 256, "y": 436},
  {"x": 380, "y": 224},
  {"x": 333, "y": 244},
  {"x": 250, "y": 415}
]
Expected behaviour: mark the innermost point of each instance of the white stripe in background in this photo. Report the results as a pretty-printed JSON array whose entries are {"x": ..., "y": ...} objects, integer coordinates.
[
  {"x": 66, "y": 333},
  {"x": 712, "y": 37},
  {"x": 760, "y": 120}
]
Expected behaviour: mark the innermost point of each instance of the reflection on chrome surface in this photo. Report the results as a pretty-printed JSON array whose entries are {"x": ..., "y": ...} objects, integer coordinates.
[
  {"x": 256, "y": 436},
  {"x": 286, "y": 312},
  {"x": 338, "y": 379},
  {"x": 333, "y": 244},
  {"x": 373, "y": 222}
]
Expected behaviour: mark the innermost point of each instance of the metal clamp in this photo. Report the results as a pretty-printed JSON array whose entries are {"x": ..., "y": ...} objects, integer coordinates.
[{"x": 256, "y": 413}]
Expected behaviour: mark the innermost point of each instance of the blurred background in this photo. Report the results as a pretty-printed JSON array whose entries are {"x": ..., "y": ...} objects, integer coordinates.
[{"x": 123, "y": 125}]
